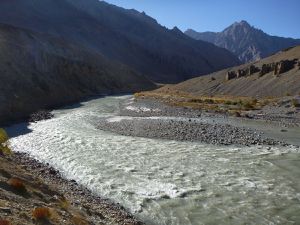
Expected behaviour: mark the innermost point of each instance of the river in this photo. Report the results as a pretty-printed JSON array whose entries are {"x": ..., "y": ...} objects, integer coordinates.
[{"x": 166, "y": 182}]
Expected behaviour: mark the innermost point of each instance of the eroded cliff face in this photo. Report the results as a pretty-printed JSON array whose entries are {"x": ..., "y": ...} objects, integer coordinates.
[{"x": 38, "y": 71}]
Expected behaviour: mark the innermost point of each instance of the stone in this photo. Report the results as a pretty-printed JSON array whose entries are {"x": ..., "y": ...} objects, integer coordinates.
[
  {"x": 231, "y": 75},
  {"x": 252, "y": 69},
  {"x": 267, "y": 68},
  {"x": 283, "y": 66},
  {"x": 241, "y": 73}
]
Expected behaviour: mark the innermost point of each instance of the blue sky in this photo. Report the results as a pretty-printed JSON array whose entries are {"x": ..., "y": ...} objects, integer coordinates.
[{"x": 276, "y": 17}]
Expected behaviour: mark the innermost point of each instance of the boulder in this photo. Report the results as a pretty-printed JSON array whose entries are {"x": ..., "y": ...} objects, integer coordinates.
[
  {"x": 231, "y": 75},
  {"x": 283, "y": 66},
  {"x": 241, "y": 73},
  {"x": 253, "y": 69},
  {"x": 267, "y": 68}
]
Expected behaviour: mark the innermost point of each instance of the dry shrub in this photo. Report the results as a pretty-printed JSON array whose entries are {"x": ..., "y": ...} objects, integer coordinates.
[
  {"x": 17, "y": 184},
  {"x": 79, "y": 220},
  {"x": 64, "y": 203},
  {"x": 41, "y": 213},
  {"x": 4, "y": 222}
]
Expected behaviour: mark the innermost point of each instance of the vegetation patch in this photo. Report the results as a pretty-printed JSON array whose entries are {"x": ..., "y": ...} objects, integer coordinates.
[
  {"x": 4, "y": 149},
  {"x": 4, "y": 222},
  {"x": 17, "y": 184},
  {"x": 41, "y": 214}
]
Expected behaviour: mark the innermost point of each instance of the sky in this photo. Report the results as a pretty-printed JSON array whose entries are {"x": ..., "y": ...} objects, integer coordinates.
[{"x": 275, "y": 17}]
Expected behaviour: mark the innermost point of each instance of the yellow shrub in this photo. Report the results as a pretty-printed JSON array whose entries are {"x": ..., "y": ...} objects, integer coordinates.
[
  {"x": 4, "y": 149},
  {"x": 3, "y": 136}
]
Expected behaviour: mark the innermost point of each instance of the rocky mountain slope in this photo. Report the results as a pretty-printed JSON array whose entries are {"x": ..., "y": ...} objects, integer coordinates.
[
  {"x": 126, "y": 36},
  {"x": 245, "y": 41},
  {"x": 39, "y": 71},
  {"x": 275, "y": 76}
]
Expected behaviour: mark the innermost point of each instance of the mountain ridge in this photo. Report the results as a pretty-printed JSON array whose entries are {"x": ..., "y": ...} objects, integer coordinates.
[
  {"x": 127, "y": 36},
  {"x": 245, "y": 41}
]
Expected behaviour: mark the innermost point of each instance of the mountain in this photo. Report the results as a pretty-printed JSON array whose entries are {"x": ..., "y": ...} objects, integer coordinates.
[
  {"x": 245, "y": 41},
  {"x": 39, "y": 71},
  {"x": 274, "y": 76},
  {"x": 126, "y": 36}
]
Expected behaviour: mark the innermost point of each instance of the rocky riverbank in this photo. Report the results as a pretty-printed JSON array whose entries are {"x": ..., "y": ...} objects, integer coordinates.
[
  {"x": 29, "y": 190},
  {"x": 154, "y": 119}
]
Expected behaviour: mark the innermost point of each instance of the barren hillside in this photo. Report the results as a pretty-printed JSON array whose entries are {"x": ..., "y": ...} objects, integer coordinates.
[{"x": 275, "y": 76}]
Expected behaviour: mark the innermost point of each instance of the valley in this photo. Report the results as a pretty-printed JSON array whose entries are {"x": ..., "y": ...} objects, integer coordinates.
[{"x": 111, "y": 114}]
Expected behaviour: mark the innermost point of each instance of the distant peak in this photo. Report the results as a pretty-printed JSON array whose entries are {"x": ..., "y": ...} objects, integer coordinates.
[
  {"x": 177, "y": 30},
  {"x": 242, "y": 23}
]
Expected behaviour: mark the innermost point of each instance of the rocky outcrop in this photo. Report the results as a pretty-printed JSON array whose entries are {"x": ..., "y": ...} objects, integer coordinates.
[
  {"x": 248, "y": 71},
  {"x": 267, "y": 68},
  {"x": 284, "y": 66},
  {"x": 231, "y": 75},
  {"x": 277, "y": 68},
  {"x": 226, "y": 82}
]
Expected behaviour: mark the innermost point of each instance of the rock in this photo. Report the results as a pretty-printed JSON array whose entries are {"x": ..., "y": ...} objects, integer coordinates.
[
  {"x": 40, "y": 115},
  {"x": 267, "y": 68},
  {"x": 252, "y": 69},
  {"x": 283, "y": 66},
  {"x": 231, "y": 75},
  {"x": 5, "y": 210},
  {"x": 241, "y": 73}
]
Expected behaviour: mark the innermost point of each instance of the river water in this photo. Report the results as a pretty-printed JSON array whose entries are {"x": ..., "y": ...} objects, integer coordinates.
[{"x": 167, "y": 182}]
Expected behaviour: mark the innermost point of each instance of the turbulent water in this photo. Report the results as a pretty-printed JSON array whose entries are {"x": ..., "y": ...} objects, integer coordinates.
[{"x": 167, "y": 182}]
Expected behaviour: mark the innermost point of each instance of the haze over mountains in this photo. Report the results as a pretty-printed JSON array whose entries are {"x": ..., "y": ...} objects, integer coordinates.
[{"x": 245, "y": 41}]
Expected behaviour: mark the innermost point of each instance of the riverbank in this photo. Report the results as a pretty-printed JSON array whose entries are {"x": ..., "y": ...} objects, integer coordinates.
[
  {"x": 162, "y": 181},
  {"x": 160, "y": 118},
  {"x": 27, "y": 185}
]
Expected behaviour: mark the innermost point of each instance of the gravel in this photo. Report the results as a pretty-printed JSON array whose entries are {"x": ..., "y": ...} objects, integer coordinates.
[{"x": 154, "y": 119}]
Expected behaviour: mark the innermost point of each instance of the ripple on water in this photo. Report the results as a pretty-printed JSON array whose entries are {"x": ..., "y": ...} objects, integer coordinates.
[{"x": 168, "y": 182}]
